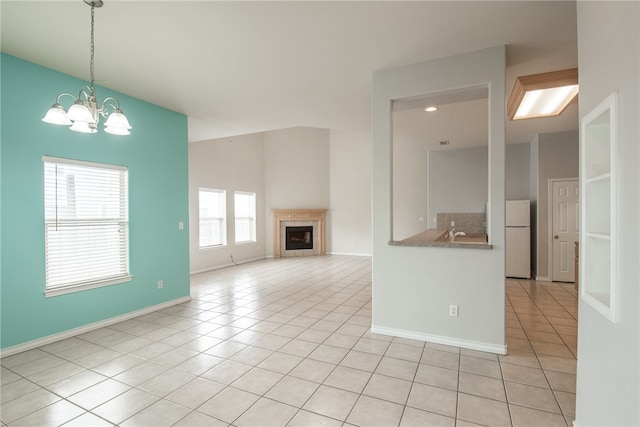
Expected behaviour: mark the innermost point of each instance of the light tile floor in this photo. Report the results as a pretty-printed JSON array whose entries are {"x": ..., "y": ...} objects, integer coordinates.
[{"x": 287, "y": 342}]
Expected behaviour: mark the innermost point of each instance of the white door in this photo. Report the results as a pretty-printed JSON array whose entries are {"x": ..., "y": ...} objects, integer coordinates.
[{"x": 564, "y": 230}]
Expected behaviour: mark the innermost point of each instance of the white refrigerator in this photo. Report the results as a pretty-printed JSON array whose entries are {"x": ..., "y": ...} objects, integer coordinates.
[{"x": 518, "y": 239}]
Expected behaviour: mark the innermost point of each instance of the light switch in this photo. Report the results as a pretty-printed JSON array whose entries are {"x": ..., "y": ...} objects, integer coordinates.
[{"x": 180, "y": 225}]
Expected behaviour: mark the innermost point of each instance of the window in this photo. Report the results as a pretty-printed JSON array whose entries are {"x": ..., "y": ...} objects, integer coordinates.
[
  {"x": 213, "y": 214},
  {"x": 86, "y": 225},
  {"x": 245, "y": 211}
]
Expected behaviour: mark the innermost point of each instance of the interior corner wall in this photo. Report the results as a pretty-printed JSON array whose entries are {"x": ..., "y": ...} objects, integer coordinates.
[
  {"x": 533, "y": 196},
  {"x": 424, "y": 281},
  {"x": 557, "y": 158},
  {"x": 156, "y": 157},
  {"x": 349, "y": 217},
  {"x": 608, "y": 390},
  {"x": 230, "y": 164},
  {"x": 296, "y": 173}
]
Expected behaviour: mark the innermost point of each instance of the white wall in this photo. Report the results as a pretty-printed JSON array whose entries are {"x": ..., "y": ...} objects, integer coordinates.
[
  {"x": 230, "y": 164},
  {"x": 410, "y": 178},
  {"x": 517, "y": 172},
  {"x": 557, "y": 158},
  {"x": 296, "y": 172},
  {"x": 349, "y": 218},
  {"x": 414, "y": 286},
  {"x": 608, "y": 386},
  {"x": 458, "y": 181}
]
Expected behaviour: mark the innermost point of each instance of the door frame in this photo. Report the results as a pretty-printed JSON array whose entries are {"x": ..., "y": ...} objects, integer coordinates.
[{"x": 550, "y": 182}]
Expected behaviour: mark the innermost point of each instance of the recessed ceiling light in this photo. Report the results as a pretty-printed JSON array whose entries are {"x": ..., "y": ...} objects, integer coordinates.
[{"x": 431, "y": 109}]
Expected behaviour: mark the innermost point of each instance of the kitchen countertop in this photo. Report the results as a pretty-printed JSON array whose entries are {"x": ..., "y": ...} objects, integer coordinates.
[{"x": 436, "y": 238}]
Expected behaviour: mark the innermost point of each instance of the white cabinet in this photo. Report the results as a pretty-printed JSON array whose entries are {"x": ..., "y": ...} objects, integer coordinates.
[{"x": 598, "y": 153}]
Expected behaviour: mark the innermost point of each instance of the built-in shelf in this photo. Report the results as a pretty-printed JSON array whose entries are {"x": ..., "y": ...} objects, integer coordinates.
[
  {"x": 603, "y": 177},
  {"x": 598, "y": 148}
]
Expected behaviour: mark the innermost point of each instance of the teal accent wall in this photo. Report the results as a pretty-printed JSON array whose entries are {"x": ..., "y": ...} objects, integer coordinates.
[{"x": 156, "y": 154}]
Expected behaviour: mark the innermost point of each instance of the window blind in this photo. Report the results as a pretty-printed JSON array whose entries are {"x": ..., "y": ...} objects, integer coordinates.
[
  {"x": 245, "y": 216},
  {"x": 212, "y": 221},
  {"x": 86, "y": 225}
]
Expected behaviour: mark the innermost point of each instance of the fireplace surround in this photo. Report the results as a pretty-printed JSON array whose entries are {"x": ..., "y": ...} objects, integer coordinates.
[{"x": 283, "y": 218}]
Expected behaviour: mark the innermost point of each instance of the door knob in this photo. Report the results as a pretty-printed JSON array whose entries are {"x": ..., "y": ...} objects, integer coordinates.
[{"x": 555, "y": 236}]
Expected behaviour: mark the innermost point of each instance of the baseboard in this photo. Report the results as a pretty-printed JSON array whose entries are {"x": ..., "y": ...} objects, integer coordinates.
[
  {"x": 220, "y": 267},
  {"x": 348, "y": 254},
  {"x": 437, "y": 339},
  {"x": 542, "y": 279},
  {"x": 88, "y": 328}
]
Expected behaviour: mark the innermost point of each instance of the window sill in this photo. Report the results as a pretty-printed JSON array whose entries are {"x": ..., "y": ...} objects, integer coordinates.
[
  {"x": 85, "y": 286},
  {"x": 246, "y": 242}
]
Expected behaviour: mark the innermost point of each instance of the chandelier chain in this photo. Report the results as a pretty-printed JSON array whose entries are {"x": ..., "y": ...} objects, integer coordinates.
[{"x": 91, "y": 68}]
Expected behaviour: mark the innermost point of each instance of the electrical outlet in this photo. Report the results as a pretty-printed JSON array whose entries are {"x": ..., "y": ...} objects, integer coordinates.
[
  {"x": 160, "y": 284},
  {"x": 453, "y": 310},
  {"x": 453, "y": 223}
]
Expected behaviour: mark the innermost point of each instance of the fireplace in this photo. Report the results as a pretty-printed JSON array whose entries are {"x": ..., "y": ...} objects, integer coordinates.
[
  {"x": 299, "y": 238},
  {"x": 308, "y": 232}
]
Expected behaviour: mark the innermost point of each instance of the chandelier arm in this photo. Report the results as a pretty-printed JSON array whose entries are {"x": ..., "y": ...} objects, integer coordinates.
[
  {"x": 108, "y": 102},
  {"x": 85, "y": 93},
  {"x": 67, "y": 94}
]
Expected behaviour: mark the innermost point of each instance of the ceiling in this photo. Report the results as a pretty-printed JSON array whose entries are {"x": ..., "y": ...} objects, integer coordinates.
[{"x": 241, "y": 67}]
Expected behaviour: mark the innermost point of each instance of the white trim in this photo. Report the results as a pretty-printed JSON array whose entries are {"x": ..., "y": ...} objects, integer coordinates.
[
  {"x": 542, "y": 279},
  {"x": 219, "y": 267},
  {"x": 68, "y": 289},
  {"x": 550, "y": 182},
  {"x": 348, "y": 254},
  {"x": 84, "y": 163},
  {"x": 88, "y": 328},
  {"x": 438, "y": 339}
]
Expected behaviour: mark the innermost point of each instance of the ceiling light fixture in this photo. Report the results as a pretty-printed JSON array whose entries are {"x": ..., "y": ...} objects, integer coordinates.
[
  {"x": 431, "y": 109},
  {"x": 84, "y": 114},
  {"x": 542, "y": 95}
]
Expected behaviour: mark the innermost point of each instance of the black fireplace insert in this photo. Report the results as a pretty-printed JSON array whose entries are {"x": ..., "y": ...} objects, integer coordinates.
[{"x": 299, "y": 238}]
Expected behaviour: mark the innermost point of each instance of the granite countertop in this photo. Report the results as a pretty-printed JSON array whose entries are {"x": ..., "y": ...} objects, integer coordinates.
[{"x": 436, "y": 238}]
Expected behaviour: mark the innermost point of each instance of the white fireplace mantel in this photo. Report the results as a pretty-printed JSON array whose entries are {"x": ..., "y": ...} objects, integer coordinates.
[{"x": 280, "y": 215}]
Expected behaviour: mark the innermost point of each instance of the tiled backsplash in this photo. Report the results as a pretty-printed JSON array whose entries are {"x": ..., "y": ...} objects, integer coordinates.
[{"x": 467, "y": 222}]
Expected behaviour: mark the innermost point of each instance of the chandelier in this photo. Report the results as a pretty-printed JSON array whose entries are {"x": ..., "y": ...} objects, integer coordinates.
[{"x": 84, "y": 114}]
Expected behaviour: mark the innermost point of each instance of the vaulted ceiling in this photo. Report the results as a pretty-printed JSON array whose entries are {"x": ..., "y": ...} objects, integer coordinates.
[{"x": 240, "y": 67}]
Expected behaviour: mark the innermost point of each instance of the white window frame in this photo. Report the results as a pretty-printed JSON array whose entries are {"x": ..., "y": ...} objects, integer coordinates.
[
  {"x": 84, "y": 248},
  {"x": 206, "y": 220},
  {"x": 251, "y": 217}
]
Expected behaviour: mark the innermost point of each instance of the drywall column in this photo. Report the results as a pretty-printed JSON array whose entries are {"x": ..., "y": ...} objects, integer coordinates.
[
  {"x": 608, "y": 390},
  {"x": 414, "y": 286}
]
